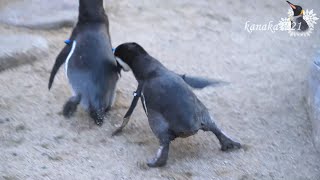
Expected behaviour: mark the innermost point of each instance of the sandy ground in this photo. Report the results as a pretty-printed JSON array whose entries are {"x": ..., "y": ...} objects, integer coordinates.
[{"x": 264, "y": 106}]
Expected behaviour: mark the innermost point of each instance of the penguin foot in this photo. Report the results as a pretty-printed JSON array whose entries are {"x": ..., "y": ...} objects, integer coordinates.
[
  {"x": 98, "y": 122},
  {"x": 161, "y": 157},
  {"x": 156, "y": 162},
  {"x": 70, "y": 106},
  {"x": 97, "y": 116},
  {"x": 228, "y": 145}
]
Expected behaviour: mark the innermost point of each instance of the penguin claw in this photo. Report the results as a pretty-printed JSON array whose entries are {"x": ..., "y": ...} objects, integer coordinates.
[{"x": 99, "y": 122}]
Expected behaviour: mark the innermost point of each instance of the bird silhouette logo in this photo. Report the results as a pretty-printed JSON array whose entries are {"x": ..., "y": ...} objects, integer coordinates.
[
  {"x": 297, "y": 21},
  {"x": 300, "y": 22}
]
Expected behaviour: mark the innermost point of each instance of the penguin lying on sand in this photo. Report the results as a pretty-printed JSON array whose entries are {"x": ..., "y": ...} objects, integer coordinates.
[
  {"x": 297, "y": 22},
  {"x": 90, "y": 64},
  {"x": 172, "y": 108}
]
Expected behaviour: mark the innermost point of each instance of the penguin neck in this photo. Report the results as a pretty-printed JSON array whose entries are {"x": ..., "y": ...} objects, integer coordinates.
[{"x": 91, "y": 11}]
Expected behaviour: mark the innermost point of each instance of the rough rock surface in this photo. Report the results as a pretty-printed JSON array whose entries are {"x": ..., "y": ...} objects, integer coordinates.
[
  {"x": 40, "y": 14},
  {"x": 20, "y": 49}
]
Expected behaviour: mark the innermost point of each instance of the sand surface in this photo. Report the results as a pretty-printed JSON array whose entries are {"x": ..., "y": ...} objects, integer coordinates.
[{"x": 264, "y": 106}]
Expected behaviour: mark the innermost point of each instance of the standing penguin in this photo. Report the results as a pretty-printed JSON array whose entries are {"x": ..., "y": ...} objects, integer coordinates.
[
  {"x": 297, "y": 21},
  {"x": 172, "y": 108},
  {"x": 90, "y": 65}
]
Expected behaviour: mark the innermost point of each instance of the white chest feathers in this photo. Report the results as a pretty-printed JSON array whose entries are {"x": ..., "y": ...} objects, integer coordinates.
[{"x": 74, "y": 44}]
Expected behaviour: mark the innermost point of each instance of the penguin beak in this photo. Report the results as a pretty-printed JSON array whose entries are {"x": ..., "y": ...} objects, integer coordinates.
[
  {"x": 292, "y": 6},
  {"x": 123, "y": 65}
]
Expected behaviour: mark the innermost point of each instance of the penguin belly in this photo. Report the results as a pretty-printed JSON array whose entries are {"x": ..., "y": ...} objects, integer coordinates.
[{"x": 91, "y": 72}]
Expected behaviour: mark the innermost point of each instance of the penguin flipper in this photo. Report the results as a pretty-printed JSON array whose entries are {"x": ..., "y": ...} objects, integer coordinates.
[{"x": 61, "y": 58}]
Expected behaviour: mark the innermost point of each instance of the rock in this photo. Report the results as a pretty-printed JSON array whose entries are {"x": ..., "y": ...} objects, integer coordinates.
[
  {"x": 314, "y": 100},
  {"x": 40, "y": 14},
  {"x": 20, "y": 49},
  {"x": 43, "y": 14}
]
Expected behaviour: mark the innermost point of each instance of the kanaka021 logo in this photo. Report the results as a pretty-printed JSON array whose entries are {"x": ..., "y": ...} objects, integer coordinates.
[{"x": 299, "y": 22}]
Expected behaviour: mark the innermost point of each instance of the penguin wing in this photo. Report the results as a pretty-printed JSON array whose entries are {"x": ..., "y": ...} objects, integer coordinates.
[{"x": 61, "y": 58}]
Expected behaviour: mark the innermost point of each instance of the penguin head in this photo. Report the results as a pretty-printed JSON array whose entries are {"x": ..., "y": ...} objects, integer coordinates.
[
  {"x": 297, "y": 10},
  {"x": 91, "y": 10},
  {"x": 90, "y": 3},
  {"x": 128, "y": 52}
]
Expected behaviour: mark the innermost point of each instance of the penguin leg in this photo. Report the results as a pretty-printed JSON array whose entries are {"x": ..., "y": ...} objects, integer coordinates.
[
  {"x": 71, "y": 105},
  {"x": 97, "y": 116},
  {"x": 225, "y": 142},
  {"x": 160, "y": 128}
]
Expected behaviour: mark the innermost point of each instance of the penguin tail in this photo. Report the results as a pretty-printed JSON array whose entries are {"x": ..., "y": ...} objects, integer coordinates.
[{"x": 200, "y": 83}]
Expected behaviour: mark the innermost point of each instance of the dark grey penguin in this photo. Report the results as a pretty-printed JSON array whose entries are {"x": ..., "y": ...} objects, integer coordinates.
[
  {"x": 90, "y": 64},
  {"x": 297, "y": 22},
  {"x": 172, "y": 108}
]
